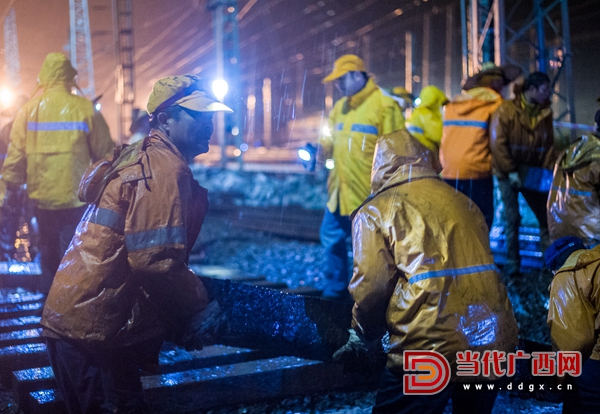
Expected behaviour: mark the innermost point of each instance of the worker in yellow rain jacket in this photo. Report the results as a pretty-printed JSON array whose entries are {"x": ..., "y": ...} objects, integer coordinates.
[
  {"x": 424, "y": 273},
  {"x": 574, "y": 317},
  {"x": 54, "y": 138},
  {"x": 356, "y": 121},
  {"x": 425, "y": 123}
]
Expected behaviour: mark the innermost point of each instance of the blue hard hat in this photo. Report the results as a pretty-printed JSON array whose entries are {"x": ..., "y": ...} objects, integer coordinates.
[{"x": 559, "y": 251}]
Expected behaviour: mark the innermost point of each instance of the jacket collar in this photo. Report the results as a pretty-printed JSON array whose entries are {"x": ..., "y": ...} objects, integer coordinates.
[{"x": 358, "y": 98}]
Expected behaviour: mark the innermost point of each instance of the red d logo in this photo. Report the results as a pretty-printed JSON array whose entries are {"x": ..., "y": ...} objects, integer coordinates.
[{"x": 433, "y": 376}]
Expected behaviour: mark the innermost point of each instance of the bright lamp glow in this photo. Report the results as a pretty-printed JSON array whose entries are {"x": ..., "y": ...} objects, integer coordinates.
[
  {"x": 219, "y": 88},
  {"x": 98, "y": 106},
  {"x": 329, "y": 164},
  {"x": 304, "y": 154},
  {"x": 417, "y": 101},
  {"x": 6, "y": 96},
  {"x": 326, "y": 131}
]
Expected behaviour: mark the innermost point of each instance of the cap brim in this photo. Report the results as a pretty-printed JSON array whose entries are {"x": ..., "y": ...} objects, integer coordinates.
[
  {"x": 201, "y": 103},
  {"x": 333, "y": 76}
]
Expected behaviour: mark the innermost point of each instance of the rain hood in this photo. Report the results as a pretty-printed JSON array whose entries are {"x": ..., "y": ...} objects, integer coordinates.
[
  {"x": 585, "y": 150},
  {"x": 399, "y": 158}
]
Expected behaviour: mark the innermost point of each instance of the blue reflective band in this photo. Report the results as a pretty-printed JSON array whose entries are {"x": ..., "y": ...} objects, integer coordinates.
[
  {"x": 58, "y": 126},
  {"x": 166, "y": 236},
  {"x": 339, "y": 127},
  {"x": 365, "y": 129},
  {"x": 414, "y": 129},
  {"x": 453, "y": 272},
  {"x": 108, "y": 218},
  {"x": 475, "y": 124},
  {"x": 573, "y": 192}
]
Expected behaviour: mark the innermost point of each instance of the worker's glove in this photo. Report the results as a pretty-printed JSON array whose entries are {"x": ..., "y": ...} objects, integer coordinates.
[
  {"x": 204, "y": 328},
  {"x": 515, "y": 180},
  {"x": 308, "y": 156},
  {"x": 356, "y": 354}
]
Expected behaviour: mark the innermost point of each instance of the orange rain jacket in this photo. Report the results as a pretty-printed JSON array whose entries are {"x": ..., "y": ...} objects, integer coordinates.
[
  {"x": 54, "y": 138},
  {"x": 425, "y": 123},
  {"x": 423, "y": 269},
  {"x": 574, "y": 311},
  {"x": 355, "y": 125},
  {"x": 124, "y": 278},
  {"x": 465, "y": 148},
  {"x": 574, "y": 199}
]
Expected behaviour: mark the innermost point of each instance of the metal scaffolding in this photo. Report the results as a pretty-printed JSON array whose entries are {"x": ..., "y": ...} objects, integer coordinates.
[
  {"x": 81, "y": 46},
  {"x": 125, "y": 95},
  {"x": 540, "y": 41},
  {"x": 11, "y": 50}
]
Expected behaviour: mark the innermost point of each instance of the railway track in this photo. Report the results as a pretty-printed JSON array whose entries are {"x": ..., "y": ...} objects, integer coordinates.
[
  {"x": 298, "y": 223},
  {"x": 282, "y": 346}
]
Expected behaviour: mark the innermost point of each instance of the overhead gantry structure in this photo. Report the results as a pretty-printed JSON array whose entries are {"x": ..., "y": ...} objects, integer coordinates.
[{"x": 494, "y": 30}]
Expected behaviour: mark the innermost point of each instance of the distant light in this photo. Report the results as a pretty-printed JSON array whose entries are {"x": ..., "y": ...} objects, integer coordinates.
[
  {"x": 417, "y": 101},
  {"x": 6, "y": 96},
  {"x": 329, "y": 164},
  {"x": 304, "y": 154},
  {"x": 244, "y": 147},
  {"x": 235, "y": 131},
  {"x": 219, "y": 88},
  {"x": 237, "y": 152},
  {"x": 98, "y": 106},
  {"x": 326, "y": 131},
  {"x": 251, "y": 102}
]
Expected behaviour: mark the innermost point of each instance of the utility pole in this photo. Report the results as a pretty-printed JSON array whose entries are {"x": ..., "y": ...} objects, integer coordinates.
[
  {"x": 81, "y": 46},
  {"x": 123, "y": 36},
  {"x": 225, "y": 27},
  {"x": 11, "y": 50}
]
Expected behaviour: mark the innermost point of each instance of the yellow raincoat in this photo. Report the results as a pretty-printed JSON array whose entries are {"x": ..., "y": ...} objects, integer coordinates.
[
  {"x": 54, "y": 138},
  {"x": 355, "y": 125},
  {"x": 573, "y": 206},
  {"x": 423, "y": 269},
  {"x": 574, "y": 307},
  {"x": 425, "y": 124}
]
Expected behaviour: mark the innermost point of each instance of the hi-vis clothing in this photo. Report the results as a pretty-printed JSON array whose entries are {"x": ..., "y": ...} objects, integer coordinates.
[
  {"x": 574, "y": 200},
  {"x": 124, "y": 278},
  {"x": 465, "y": 148},
  {"x": 423, "y": 269},
  {"x": 54, "y": 138},
  {"x": 425, "y": 123},
  {"x": 574, "y": 307},
  {"x": 355, "y": 124}
]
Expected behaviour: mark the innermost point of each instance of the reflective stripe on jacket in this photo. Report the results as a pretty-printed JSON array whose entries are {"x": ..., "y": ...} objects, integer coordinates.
[
  {"x": 355, "y": 124},
  {"x": 574, "y": 307},
  {"x": 465, "y": 148},
  {"x": 423, "y": 269},
  {"x": 574, "y": 199},
  {"x": 54, "y": 139},
  {"x": 124, "y": 278},
  {"x": 514, "y": 142}
]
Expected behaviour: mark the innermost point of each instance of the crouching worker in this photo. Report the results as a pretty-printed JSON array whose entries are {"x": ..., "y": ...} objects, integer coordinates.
[
  {"x": 124, "y": 285},
  {"x": 574, "y": 317},
  {"x": 423, "y": 272}
]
